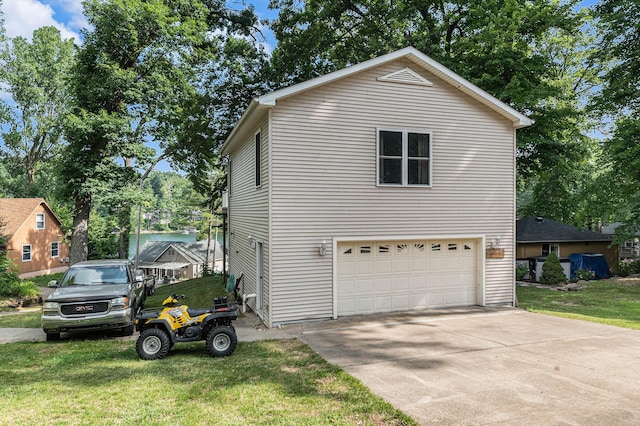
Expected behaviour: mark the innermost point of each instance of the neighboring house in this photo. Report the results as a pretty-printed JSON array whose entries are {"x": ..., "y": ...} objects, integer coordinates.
[
  {"x": 537, "y": 237},
  {"x": 630, "y": 248},
  {"x": 375, "y": 188},
  {"x": 36, "y": 241},
  {"x": 173, "y": 260}
]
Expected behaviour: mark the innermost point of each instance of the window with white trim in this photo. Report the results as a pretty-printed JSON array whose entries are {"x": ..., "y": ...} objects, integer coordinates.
[
  {"x": 404, "y": 158},
  {"x": 55, "y": 249},
  {"x": 39, "y": 220},
  {"x": 258, "y": 159},
  {"x": 26, "y": 253},
  {"x": 548, "y": 248}
]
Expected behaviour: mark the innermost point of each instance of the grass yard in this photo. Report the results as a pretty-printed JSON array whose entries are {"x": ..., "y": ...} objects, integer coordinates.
[
  {"x": 98, "y": 381},
  {"x": 104, "y": 382},
  {"x": 613, "y": 302}
]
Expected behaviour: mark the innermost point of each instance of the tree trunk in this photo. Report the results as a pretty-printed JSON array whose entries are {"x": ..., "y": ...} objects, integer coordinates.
[
  {"x": 124, "y": 219},
  {"x": 80, "y": 237}
]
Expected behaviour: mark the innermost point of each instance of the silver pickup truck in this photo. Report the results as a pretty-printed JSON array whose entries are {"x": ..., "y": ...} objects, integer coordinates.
[{"x": 95, "y": 295}]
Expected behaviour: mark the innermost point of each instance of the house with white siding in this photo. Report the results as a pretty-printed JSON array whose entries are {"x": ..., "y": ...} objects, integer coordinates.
[{"x": 385, "y": 186}]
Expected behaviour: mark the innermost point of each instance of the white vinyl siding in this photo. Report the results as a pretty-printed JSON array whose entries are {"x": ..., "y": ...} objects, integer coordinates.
[
  {"x": 248, "y": 215},
  {"x": 324, "y": 181}
]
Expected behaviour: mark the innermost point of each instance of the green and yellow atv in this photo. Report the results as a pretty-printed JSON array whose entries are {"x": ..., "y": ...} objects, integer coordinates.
[{"x": 161, "y": 329}]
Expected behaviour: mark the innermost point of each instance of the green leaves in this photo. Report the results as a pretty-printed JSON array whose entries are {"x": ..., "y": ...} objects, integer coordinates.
[{"x": 35, "y": 76}]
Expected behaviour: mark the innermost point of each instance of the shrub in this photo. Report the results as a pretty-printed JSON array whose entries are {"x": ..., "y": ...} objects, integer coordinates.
[
  {"x": 585, "y": 275},
  {"x": 628, "y": 267},
  {"x": 552, "y": 272},
  {"x": 15, "y": 287},
  {"x": 521, "y": 272}
]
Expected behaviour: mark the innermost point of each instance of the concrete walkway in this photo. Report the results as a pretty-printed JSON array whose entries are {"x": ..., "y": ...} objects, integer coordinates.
[{"x": 490, "y": 366}]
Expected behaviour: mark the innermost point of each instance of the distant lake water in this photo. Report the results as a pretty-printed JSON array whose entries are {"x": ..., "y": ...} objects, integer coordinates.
[{"x": 158, "y": 236}]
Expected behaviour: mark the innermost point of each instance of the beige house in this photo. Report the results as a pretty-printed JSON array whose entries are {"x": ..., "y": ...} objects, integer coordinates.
[
  {"x": 36, "y": 241},
  {"x": 386, "y": 186}
]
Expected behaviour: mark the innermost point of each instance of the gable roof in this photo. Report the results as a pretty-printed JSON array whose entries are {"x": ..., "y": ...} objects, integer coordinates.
[
  {"x": 194, "y": 252},
  {"x": 15, "y": 212},
  {"x": 262, "y": 103},
  {"x": 540, "y": 230}
]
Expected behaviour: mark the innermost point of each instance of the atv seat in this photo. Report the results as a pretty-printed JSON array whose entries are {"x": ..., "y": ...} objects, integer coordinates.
[
  {"x": 197, "y": 312},
  {"x": 145, "y": 315}
]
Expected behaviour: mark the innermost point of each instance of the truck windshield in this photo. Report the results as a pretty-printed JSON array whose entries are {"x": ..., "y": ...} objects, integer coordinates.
[{"x": 95, "y": 275}]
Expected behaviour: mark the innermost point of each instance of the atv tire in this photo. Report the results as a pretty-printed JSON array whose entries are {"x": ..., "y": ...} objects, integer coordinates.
[
  {"x": 153, "y": 343},
  {"x": 221, "y": 341}
]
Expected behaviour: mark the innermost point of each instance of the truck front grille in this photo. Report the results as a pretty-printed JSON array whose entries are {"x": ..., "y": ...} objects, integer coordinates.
[{"x": 84, "y": 308}]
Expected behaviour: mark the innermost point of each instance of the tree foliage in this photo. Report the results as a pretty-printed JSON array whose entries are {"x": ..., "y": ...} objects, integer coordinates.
[
  {"x": 535, "y": 56},
  {"x": 619, "y": 100},
  {"x": 35, "y": 76},
  {"x": 139, "y": 78}
]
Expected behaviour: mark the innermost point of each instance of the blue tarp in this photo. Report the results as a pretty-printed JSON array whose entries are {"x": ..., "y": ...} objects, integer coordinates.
[{"x": 591, "y": 262}]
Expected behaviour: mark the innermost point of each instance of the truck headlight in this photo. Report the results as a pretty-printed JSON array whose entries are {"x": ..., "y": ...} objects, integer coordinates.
[
  {"x": 120, "y": 303},
  {"x": 49, "y": 308}
]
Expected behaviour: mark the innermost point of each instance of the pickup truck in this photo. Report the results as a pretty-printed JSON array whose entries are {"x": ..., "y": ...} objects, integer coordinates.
[{"x": 95, "y": 295}]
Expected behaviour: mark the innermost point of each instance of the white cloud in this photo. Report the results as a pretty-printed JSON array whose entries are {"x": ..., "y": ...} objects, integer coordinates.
[{"x": 22, "y": 17}]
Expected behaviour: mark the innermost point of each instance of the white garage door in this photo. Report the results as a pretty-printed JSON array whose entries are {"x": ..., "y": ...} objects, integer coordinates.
[{"x": 384, "y": 276}]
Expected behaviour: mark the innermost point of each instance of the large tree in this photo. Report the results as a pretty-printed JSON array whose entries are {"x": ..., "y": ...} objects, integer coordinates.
[
  {"x": 619, "y": 103},
  {"x": 137, "y": 80},
  {"x": 34, "y": 74}
]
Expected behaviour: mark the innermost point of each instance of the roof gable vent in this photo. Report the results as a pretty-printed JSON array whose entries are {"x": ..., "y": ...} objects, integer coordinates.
[{"x": 406, "y": 76}]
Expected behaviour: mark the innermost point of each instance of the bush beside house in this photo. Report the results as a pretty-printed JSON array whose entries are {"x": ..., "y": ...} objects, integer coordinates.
[{"x": 552, "y": 272}]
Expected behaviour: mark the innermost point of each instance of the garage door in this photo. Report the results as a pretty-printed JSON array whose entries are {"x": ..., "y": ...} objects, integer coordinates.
[{"x": 385, "y": 276}]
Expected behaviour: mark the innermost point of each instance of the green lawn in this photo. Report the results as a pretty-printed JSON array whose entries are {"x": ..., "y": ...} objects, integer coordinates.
[
  {"x": 613, "y": 302},
  {"x": 104, "y": 382},
  {"x": 97, "y": 381}
]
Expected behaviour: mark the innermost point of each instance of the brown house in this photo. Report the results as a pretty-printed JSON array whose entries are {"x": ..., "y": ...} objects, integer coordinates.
[
  {"x": 537, "y": 237},
  {"x": 35, "y": 237}
]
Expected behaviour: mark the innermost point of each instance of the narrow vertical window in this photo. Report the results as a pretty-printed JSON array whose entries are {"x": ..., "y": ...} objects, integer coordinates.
[
  {"x": 55, "y": 249},
  {"x": 39, "y": 220},
  {"x": 26, "y": 253},
  {"x": 258, "y": 159}
]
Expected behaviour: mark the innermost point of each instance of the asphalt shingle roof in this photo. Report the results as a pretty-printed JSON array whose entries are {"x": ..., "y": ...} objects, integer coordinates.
[
  {"x": 195, "y": 252},
  {"x": 15, "y": 211},
  {"x": 540, "y": 230}
]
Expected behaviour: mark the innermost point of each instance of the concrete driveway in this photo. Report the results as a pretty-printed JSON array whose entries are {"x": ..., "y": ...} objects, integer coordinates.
[{"x": 489, "y": 366}]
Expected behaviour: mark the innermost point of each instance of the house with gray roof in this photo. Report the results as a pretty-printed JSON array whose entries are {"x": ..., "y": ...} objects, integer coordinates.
[
  {"x": 173, "y": 260},
  {"x": 538, "y": 236}
]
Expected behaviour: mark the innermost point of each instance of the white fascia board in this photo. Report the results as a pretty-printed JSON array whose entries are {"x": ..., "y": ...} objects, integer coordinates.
[
  {"x": 519, "y": 120},
  {"x": 251, "y": 115}
]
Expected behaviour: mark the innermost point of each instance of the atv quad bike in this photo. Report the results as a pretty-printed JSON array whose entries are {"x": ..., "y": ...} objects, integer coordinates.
[{"x": 160, "y": 330}]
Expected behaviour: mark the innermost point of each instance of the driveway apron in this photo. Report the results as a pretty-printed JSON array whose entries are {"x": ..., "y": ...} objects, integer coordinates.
[{"x": 489, "y": 365}]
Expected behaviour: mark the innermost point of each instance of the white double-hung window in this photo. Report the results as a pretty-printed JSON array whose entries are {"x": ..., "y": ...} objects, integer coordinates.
[{"x": 404, "y": 158}]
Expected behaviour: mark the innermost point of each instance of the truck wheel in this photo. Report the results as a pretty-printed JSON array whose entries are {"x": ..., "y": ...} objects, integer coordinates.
[
  {"x": 128, "y": 330},
  {"x": 52, "y": 337},
  {"x": 221, "y": 341},
  {"x": 153, "y": 343}
]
